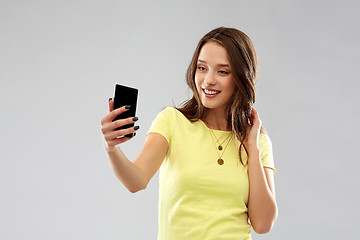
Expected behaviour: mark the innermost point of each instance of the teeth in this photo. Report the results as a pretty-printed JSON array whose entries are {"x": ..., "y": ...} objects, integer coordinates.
[{"x": 210, "y": 92}]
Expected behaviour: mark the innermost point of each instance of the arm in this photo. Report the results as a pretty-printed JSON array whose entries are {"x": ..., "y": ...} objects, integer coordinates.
[
  {"x": 134, "y": 175},
  {"x": 262, "y": 207}
]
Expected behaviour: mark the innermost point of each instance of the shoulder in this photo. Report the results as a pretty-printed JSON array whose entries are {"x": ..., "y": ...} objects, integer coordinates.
[
  {"x": 167, "y": 113},
  {"x": 264, "y": 140},
  {"x": 265, "y": 144},
  {"x": 173, "y": 114},
  {"x": 266, "y": 151},
  {"x": 168, "y": 116},
  {"x": 169, "y": 110},
  {"x": 164, "y": 123}
]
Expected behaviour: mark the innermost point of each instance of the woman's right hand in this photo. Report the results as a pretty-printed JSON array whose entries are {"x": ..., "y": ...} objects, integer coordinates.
[{"x": 112, "y": 136}]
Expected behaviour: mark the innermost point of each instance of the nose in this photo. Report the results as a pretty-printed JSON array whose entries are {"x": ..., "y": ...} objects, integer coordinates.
[{"x": 210, "y": 78}]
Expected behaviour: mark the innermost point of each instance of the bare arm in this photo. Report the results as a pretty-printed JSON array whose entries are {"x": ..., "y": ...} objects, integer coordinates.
[
  {"x": 262, "y": 207},
  {"x": 134, "y": 175}
]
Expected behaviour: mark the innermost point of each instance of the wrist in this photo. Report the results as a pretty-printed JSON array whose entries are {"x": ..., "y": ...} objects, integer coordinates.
[
  {"x": 253, "y": 151},
  {"x": 110, "y": 149}
]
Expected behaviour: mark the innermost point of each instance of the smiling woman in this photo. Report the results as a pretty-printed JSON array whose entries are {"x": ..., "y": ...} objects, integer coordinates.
[
  {"x": 213, "y": 78},
  {"x": 224, "y": 57},
  {"x": 215, "y": 159}
]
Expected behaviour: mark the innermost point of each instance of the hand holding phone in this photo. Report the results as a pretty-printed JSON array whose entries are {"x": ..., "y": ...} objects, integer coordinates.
[
  {"x": 118, "y": 125},
  {"x": 125, "y": 96}
]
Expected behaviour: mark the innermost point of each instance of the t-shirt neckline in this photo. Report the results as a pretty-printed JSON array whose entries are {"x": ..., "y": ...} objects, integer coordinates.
[{"x": 215, "y": 130}]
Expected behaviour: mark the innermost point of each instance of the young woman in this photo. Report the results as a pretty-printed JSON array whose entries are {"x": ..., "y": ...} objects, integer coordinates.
[{"x": 215, "y": 159}]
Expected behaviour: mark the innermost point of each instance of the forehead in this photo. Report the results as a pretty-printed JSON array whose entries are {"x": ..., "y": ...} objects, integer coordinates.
[{"x": 213, "y": 53}]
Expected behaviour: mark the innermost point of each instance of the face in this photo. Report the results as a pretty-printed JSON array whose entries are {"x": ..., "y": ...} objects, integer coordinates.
[{"x": 213, "y": 78}]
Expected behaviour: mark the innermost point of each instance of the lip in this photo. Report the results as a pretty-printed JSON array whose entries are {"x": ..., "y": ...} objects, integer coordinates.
[
  {"x": 210, "y": 89},
  {"x": 209, "y": 95}
]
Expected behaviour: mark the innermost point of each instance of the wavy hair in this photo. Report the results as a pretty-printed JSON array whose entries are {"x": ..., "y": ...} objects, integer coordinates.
[{"x": 244, "y": 68}]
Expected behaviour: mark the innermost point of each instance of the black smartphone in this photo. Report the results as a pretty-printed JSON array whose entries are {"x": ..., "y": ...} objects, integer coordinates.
[{"x": 125, "y": 96}]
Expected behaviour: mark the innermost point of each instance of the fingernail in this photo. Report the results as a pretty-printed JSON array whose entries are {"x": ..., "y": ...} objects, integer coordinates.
[
  {"x": 127, "y": 106},
  {"x": 136, "y": 127},
  {"x": 110, "y": 99},
  {"x": 135, "y": 119},
  {"x": 134, "y": 134}
]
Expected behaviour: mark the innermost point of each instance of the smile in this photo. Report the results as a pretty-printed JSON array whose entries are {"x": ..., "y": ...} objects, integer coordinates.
[{"x": 210, "y": 91}]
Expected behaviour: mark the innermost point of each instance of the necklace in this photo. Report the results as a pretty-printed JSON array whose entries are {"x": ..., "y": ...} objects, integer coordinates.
[
  {"x": 220, "y": 144},
  {"x": 219, "y": 147}
]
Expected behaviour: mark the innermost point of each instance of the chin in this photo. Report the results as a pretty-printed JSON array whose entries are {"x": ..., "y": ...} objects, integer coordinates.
[{"x": 211, "y": 105}]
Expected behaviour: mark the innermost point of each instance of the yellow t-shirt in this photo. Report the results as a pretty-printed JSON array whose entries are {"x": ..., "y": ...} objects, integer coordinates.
[{"x": 198, "y": 198}]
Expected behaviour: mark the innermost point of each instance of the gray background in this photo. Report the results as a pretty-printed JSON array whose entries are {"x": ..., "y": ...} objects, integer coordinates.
[{"x": 60, "y": 60}]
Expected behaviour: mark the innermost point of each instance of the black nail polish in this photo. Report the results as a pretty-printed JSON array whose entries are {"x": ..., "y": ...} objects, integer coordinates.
[
  {"x": 110, "y": 99},
  {"x": 135, "y": 119},
  {"x": 136, "y": 127},
  {"x": 127, "y": 106}
]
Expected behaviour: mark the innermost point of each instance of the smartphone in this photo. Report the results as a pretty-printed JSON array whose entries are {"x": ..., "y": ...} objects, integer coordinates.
[{"x": 125, "y": 96}]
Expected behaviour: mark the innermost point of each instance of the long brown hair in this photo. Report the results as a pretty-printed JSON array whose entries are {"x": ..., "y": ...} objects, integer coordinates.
[{"x": 244, "y": 68}]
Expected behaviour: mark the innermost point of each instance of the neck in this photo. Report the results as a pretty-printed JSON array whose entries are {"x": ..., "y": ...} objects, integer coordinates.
[{"x": 215, "y": 119}]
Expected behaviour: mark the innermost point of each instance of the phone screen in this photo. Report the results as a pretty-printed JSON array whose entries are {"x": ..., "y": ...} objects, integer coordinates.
[{"x": 125, "y": 96}]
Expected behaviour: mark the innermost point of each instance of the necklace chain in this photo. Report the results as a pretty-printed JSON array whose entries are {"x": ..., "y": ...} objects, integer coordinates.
[
  {"x": 220, "y": 144},
  {"x": 219, "y": 148}
]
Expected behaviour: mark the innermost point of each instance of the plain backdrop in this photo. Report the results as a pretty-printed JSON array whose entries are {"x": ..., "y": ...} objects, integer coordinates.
[{"x": 60, "y": 60}]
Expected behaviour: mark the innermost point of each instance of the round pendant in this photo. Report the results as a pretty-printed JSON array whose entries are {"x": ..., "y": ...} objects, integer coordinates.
[
  {"x": 220, "y": 161},
  {"x": 220, "y": 147}
]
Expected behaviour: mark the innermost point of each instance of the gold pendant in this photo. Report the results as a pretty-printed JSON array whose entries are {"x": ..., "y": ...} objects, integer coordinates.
[
  {"x": 220, "y": 147},
  {"x": 220, "y": 161}
]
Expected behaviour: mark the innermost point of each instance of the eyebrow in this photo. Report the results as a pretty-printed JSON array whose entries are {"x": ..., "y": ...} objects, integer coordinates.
[{"x": 220, "y": 65}]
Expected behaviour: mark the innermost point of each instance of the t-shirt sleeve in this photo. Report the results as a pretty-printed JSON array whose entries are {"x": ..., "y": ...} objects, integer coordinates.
[
  {"x": 265, "y": 145},
  {"x": 161, "y": 124}
]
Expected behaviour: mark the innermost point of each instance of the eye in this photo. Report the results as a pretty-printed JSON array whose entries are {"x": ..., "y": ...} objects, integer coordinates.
[
  {"x": 201, "y": 68},
  {"x": 224, "y": 72}
]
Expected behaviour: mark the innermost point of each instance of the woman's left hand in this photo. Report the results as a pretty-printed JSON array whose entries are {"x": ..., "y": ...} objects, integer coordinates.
[{"x": 253, "y": 130}]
